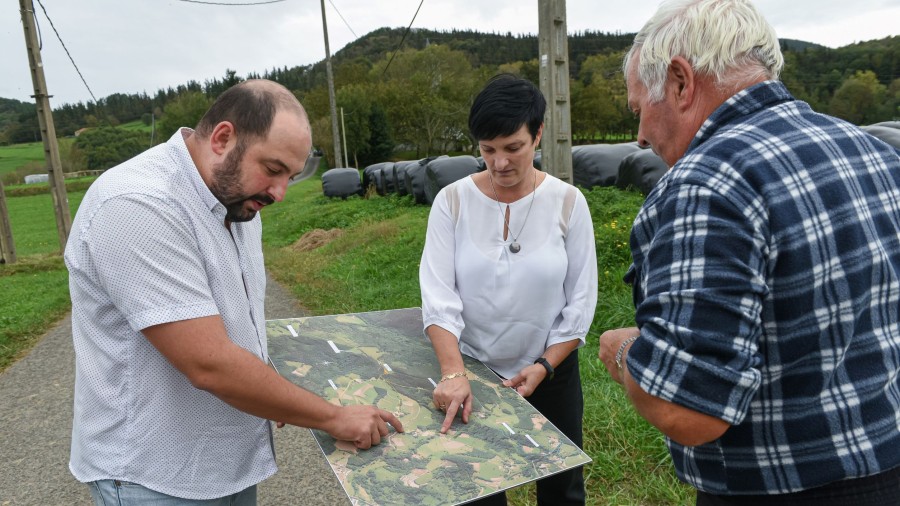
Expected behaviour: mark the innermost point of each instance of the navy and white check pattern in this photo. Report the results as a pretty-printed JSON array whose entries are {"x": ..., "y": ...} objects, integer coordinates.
[{"x": 767, "y": 286}]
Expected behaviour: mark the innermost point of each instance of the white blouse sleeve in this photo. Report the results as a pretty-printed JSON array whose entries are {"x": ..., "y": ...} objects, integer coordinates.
[
  {"x": 580, "y": 285},
  {"x": 441, "y": 303}
]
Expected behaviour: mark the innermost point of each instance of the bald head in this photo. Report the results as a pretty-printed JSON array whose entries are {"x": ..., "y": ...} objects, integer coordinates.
[{"x": 250, "y": 107}]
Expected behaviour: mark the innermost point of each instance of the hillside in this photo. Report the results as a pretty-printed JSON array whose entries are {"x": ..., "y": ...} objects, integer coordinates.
[{"x": 814, "y": 73}]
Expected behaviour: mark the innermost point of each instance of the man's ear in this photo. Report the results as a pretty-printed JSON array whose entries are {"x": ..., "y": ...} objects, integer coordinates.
[
  {"x": 222, "y": 134},
  {"x": 682, "y": 82}
]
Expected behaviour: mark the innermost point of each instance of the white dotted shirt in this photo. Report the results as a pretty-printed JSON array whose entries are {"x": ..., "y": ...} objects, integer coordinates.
[{"x": 149, "y": 246}]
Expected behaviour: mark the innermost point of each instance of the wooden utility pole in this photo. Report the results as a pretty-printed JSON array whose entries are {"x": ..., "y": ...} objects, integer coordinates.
[
  {"x": 7, "y": 246},
  {"x": 553, "y": 46},
  {"x": 338, "y": 161},
  {"x": 45, "y": 119}
]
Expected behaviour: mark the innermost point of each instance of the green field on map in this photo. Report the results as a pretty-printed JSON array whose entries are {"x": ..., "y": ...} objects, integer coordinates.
[{"x": 383, "y": 358}]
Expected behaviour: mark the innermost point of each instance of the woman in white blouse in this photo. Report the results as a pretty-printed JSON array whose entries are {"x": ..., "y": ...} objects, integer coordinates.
[{"x": 509, "y": 275}]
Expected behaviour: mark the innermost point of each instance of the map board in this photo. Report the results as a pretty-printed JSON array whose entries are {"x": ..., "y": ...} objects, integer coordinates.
[{"x": 383, "y": 358}]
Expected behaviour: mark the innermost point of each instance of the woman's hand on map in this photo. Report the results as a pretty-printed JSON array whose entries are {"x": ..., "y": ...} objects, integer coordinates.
[
  {"x": 527, "y": 380},
  {"x": 450, "y": 396},
  {"x": 364, "y": 426}
]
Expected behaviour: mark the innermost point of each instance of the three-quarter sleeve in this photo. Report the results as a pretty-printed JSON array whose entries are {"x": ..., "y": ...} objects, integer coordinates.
[
  {"x": 441, "y": 302},
  {"x": 580, "y": 285}
]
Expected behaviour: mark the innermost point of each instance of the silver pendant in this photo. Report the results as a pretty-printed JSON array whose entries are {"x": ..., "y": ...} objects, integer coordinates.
[{"x": 515, "y": 247}]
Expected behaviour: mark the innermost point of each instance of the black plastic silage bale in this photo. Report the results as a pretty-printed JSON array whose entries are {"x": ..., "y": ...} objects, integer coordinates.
[
  {"x": 888, "y": 131},
  {"x": 443, "y": 171},
  {"x": 598, "y": 164},
  {"x": 372, "y": 176},
  {"x": 641, "y": 170},
  {"x": 341, "y": 182}
]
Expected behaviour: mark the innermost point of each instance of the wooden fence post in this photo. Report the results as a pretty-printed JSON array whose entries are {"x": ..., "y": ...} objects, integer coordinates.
[{"x": 7, "y": 246}]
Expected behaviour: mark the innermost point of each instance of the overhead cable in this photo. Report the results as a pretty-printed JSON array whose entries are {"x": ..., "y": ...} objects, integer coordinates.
[
  {"x": 403, "y": 38},
  {"x": 67, "y": 50}
]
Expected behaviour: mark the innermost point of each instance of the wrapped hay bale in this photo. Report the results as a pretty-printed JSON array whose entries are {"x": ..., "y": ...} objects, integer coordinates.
[
  {"x": 399, "y": 176},
  {"x": 341, "y": 182},
  {"x": 598, "y": 164},
  {"x": 372, "y": 177},
  {"x": 415, "y": 182},
  {"x": 641, "y": 170},
  {"x": 887, "y": 131},
  {"x": 445, "y": 170}
]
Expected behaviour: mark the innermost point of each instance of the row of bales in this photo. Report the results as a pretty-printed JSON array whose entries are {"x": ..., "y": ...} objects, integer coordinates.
[{"x": 623, "y": 165}]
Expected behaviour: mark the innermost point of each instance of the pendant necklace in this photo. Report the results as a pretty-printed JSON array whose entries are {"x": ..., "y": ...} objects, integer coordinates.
[{"x": 514, "y": 246}]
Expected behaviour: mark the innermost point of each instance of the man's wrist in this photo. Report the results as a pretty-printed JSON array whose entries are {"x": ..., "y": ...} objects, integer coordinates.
[{"x": 620, "y": 354}]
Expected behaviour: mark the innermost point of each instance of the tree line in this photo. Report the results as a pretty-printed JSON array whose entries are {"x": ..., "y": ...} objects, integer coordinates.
[{"x": 417, "y": 98}]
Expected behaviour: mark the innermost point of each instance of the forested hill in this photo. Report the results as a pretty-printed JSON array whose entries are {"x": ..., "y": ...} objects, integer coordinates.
[
  {"x": 491, "y": 49},
  {"x": 859, "y": 82}
]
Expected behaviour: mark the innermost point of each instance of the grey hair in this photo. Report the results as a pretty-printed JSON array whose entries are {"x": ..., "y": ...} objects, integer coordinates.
[{"x": 728, "y": 40}]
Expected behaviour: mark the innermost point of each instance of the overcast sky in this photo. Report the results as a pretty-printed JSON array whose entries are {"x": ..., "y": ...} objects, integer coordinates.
[{"x": 133, "y": 46}]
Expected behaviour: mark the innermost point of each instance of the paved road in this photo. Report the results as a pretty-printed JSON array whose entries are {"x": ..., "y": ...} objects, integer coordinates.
[{"x": 36, "y": 425}]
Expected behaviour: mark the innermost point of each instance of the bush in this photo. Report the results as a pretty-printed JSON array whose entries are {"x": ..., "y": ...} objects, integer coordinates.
[{"x": 105, "y": 147}]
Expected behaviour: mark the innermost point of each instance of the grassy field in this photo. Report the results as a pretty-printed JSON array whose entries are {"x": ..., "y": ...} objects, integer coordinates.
[
  {"x": 371, "y": 265},
  {"x": 136, "y": 125},
  {"x": 34, "y": 292},
  {"x": 18, "y": 155}
]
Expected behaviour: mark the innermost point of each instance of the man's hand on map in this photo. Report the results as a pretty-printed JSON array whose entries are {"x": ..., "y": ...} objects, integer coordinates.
[
  {"x": 450, "y": 396},
  {"x": 527, "y": 380},
  {"x": 364, "y": 426}
]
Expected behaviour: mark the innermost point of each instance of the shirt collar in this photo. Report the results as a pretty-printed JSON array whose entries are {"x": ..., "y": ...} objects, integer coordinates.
[
  {"x": 193, "y": 173},
  {"x": 743, "y": 103}
]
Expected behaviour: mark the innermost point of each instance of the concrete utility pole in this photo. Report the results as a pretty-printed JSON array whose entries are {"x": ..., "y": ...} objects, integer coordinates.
[
  {"x": 45, "y": 119},
  {"x": 338, "y": 161},
  {"x": 553, "y": 46}
]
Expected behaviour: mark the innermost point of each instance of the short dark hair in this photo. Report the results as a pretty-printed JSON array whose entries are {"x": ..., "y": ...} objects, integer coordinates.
[
  {"x": 505, "y": 104},
  {"x": 250, "y": 106}
]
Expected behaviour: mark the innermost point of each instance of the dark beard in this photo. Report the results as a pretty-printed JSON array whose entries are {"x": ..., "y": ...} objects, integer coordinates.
[{"x": 226, "y": 187}]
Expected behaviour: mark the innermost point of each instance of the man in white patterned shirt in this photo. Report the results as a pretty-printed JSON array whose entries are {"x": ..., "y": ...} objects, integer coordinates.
[{"x": 173, "y": 395}]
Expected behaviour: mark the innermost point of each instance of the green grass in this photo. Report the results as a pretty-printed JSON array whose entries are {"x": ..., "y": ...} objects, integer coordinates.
[
  {"x": 373, "y": 265},
  {"x": 136, "y": 125},
  {"x": 18, "y": 155},
  {"x": 34, "y": 294},
  {"x": 33, "y": 223}
]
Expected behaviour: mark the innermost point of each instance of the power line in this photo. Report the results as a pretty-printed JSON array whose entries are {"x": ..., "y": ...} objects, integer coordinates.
[
  {"x": 342, "y": 19},
  {"x": 403, "y": 38},
  {"x": 66, "y": 49},
  {"x": 232, "y": 4}
]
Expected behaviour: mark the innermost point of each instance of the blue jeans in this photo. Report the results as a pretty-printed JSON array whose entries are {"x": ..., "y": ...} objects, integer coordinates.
[{"x": 123, "y": 493}]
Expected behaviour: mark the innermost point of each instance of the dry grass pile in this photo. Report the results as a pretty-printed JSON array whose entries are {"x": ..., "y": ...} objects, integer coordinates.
[{"x": 316, "y": 238}]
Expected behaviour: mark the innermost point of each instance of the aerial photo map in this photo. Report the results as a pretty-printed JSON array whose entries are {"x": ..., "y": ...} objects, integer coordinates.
[{"x": 384, "y": 358}]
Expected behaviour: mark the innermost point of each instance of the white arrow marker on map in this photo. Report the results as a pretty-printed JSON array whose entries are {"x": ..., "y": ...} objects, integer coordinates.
[
  {"x": 333, "y": 346},
  {"x": 532, "y": 441},
  {"x": 292, "y": 331},
  {"x": 388, "y": 368},
  {"x": 432, "y": 382},
  {"x": 508, "y": 428},
  {"x": 332, "y": 384}
]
